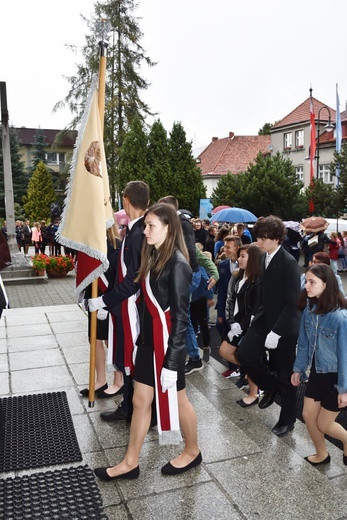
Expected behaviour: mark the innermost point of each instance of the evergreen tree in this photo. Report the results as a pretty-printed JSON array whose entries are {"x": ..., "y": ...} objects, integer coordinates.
[
  {"x": 340, "y": 160},
  {"x": 37, "y": 203},
  {"x": 269, "y": 186},
  {"x": 19, "y": 175},
  {"x": 158, "y": 159},
  {"x": 186, "y": 182},
  {"x": 38, "y": 153},
  {"x": 324, "y": 198},
  {"x": 125, "y": 56},
  {"x": 133, "y": 157}
]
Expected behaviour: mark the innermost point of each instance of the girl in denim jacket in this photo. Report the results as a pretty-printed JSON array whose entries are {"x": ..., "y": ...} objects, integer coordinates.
[{"x": 322, "y": 346}]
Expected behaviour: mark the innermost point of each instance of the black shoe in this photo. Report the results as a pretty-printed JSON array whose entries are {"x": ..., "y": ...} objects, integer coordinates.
[
  {"x": 246, "y": 405},
  {"x": 100, "y": 394},
  {"x": 206, "y": 354},
  {"x": 193, "y": 366},
  {"x": 268, "y": 399},
  {"x": 169, "y": 469},
  {"x": 345, "y": 460},
  {"x": 325, "y": 461},
  {"x": 282, "y": 430},
  {"x": 85, "y": 391},
  {"x": 241, "y": 382},
  {"x": 103, "y": 475},
  {"x": 117, "y": 415}
]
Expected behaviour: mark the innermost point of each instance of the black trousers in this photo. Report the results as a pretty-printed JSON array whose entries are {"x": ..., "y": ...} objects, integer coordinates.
[
  {"x": 198, "y": 315},
  {"x": 274, "y": 375}
]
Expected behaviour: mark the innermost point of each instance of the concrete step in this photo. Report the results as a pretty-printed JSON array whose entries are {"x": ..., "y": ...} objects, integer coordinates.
[
  {"x": 25, "y": 280},
  {"x": 265, "y": 476}
]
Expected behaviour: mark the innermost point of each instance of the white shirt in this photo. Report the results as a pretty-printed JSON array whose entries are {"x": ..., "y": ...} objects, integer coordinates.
[{"x": 269, "y": 257}]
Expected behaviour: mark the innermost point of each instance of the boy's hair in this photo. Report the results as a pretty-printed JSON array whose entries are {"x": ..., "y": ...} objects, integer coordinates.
[
  {"x": 269, "y": 227},
  {"x": 170, "y": 199},
  {"x": 138, "y": 194}
]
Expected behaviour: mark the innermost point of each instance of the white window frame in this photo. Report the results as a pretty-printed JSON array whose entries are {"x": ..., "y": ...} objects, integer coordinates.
[
  {"x": 299, "y": 170},
  {"x": 325, "y": 174},
  {"x": 287, "y": 140},
  {"x": 299, "y": 138}
]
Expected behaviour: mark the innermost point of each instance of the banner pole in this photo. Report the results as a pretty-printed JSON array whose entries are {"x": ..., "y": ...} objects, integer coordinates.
[{"x": 93, "y": 315}]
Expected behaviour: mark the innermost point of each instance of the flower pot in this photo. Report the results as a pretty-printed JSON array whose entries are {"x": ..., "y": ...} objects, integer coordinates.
[
  {"x": 52, "y": 273},
  {"x": 40, "y": 272}
]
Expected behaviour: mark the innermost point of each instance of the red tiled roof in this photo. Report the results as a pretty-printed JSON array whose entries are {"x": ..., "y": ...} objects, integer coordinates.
[
  {"x": 233, "y": 153},
  {"x": 26, "y": 136},
  {"x": 301, "y": 114}
]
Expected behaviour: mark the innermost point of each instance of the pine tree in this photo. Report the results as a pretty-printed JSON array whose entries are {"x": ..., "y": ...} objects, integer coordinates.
[
  {"x": 37, "y": 203},
  {"x": 158, "y": 158},
  {"x": 186, "y": 182},
  {"x": 133, "y": 157},
  {"x": 38, "y": 153},
  {"x": 125, "y": 56},
  {"x": 19, "y": 175}
]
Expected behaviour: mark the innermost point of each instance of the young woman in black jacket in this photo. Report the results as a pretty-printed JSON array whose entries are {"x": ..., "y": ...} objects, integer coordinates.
[{"x": 243, "y": 300}]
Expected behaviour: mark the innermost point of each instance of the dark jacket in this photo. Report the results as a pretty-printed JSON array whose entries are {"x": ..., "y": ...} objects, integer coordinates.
[
  {"x": 189, "y": 238},
  {"x": 248, "y": 300},
  {"x": 280, "y": 292},
  {"x": 132, "y": 257},
  {"x": 171, "y": 289}
]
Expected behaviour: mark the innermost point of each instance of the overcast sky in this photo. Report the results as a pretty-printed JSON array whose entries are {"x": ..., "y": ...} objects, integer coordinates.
[{"x": 223, "y": 66}]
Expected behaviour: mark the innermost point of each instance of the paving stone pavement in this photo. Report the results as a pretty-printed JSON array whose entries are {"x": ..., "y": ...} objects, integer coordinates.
[{"x": 247, "y": 472}]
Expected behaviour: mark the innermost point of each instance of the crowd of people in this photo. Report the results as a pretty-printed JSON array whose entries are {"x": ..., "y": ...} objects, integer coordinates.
[
  {"x": 278, "y": 328},
  {"x": 167, "y": 273},
  {"x": 39, "y": 235}
]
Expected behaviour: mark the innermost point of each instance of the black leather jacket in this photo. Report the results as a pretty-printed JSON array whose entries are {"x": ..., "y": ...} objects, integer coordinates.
[
  {"x": 171, "y": 289},
  {"x": 248, "y": 300}
]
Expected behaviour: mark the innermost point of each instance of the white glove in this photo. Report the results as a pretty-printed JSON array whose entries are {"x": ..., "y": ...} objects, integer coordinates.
[
  {"x": 134, "y": 354},
  {"x": 167, "y": 379},
  {"x": 272, "y": 340},
  {"x": 102, "y": 314},
  {"x": 235, "y": 330},
  {"x": 94, "y": 304}
]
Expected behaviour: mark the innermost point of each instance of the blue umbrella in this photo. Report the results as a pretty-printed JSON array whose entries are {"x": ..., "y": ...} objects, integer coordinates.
[{"x": 234, "y": 215}]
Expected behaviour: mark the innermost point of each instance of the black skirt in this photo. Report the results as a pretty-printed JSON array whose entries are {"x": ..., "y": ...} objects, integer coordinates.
[
  {"x": 320, "y": 387},
  {"x": 144, "y": 363}
]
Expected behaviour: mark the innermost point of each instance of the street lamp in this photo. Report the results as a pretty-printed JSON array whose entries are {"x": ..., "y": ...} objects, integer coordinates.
[{"x": 328, "y": 127}]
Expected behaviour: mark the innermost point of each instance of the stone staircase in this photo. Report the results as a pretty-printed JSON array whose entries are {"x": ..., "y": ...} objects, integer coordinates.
[{"x": 266, "y": 477}]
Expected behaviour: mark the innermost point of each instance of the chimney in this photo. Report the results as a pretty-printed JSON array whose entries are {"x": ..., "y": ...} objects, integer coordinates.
[
  {"x": 214, "y": 139},
  {"x": 231, "y": 135}
]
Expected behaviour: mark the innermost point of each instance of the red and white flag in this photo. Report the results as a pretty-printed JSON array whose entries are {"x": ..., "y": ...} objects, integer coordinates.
[
  {"x": 312, "y": 141},
  {"x": 87, "y": 210}
]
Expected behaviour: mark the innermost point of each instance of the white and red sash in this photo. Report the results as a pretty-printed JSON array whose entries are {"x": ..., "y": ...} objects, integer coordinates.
[
  {"x": 130, "y": 321},
  {"x": 166, "y": 402}
]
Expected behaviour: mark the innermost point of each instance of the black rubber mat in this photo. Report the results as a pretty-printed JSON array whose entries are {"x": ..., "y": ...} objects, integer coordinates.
[
  {"x": 70, "y": 493},
  {"x": 38, "y": 432}
]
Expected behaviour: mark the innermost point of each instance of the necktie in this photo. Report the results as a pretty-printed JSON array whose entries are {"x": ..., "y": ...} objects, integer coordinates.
[{"x": 267, "y": 260}]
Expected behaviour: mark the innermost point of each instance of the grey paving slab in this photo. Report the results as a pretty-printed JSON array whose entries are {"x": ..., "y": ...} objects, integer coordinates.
[
  {"x": 72, "y": 339},
  {"x": 3, "y": 363},
  {"x": 35, "y": 317},
  {"x": 23, "y": 331},
  {"x": 63, "y": 316},
  {"x": 203, "y": 501},
  {"x": 2, "y": 333},
  {"x": 79, "y": 325},
  {"x": 29, "y": 343},
  {"x": 37, "y": 359},
  {"x": 4, "y": 384},
  {"x": 41, "y": 379},
  {"x": 263, "y": 488}
]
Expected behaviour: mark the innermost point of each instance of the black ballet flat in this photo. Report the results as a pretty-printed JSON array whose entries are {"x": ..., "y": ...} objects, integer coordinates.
[
  {"x": 169, "y": 469},
  {"x": 101, "y": 394},
  {"x": 241, "y": 403},
  {"x": 102, "y": 474},
  {"x": 85, "y": 391},
  {"x": 325, "y": 461}
]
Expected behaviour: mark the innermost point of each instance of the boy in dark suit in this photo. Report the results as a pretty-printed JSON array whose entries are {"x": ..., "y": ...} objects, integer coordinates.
[
  {"x": 275, "y": 327},
  {"x": 121, "y": 299}
]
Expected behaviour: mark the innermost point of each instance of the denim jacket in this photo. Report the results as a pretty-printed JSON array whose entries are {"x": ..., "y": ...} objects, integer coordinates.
[{"x": 324, "y": 336}]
